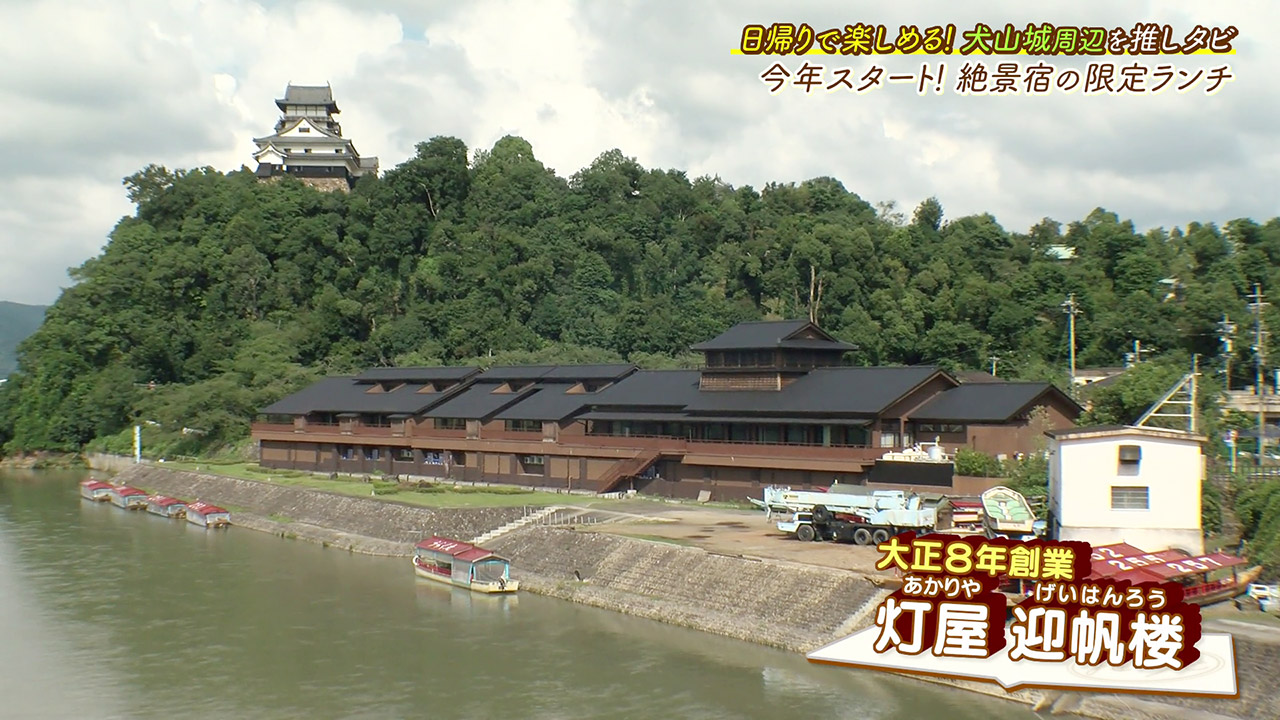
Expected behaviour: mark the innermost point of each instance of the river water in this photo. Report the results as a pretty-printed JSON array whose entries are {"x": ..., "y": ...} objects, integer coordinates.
[{"x": 113, "y": 614}]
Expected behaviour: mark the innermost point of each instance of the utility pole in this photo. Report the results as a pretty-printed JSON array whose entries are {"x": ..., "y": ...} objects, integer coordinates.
[
  {"x": 994, "y": 359},
  {"x": 1070, "y": 308},
  {"x": 1259, "y": 359},
  {"x": 1226, "y": 331}
]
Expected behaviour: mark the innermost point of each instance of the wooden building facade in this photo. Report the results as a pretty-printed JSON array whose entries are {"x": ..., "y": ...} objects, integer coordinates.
[{"x": 771, "y": 406}]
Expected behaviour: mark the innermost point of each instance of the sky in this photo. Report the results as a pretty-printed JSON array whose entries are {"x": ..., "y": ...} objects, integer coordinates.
[{"x": 92, "y": 92}]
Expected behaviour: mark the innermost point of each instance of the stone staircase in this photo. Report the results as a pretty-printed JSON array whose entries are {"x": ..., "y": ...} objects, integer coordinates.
[{"x": 514, "y": 525}]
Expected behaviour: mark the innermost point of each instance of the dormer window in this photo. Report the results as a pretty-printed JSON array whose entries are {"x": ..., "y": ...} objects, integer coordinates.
[{"x": 304, "y": 129}]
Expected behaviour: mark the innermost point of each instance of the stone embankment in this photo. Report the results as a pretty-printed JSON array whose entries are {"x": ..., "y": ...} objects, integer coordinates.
[
  {"x": 787, "y": 605},
  {"x": 365, "y": 525}
]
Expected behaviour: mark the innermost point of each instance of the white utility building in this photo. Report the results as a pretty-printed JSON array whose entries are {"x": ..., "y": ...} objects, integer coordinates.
[{"x": 1124, "y": 484}]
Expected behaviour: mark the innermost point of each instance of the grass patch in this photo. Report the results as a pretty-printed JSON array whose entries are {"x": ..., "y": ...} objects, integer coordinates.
[
  {"x": 284, "y": 519},
  {"x": 427, "y": 494}
]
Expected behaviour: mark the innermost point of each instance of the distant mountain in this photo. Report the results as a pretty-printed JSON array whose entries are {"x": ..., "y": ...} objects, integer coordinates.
[{"x": 16, "y": 323}]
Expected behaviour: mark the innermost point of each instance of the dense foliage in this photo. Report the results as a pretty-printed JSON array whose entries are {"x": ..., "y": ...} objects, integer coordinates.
[
  {"x": 227, "y": 292},
  {"x": 17, "y": 322}
]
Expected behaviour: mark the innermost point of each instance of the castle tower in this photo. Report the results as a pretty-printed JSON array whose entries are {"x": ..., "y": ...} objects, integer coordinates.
[{"x": 308, "y": 143}]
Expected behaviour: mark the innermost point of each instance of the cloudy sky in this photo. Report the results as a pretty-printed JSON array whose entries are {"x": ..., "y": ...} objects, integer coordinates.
[{"x": 91, "y": 92}]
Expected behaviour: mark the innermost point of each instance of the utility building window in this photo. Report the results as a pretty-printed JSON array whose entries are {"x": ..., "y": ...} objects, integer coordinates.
[
  {"x": 404, "y": 455},
  {"x": 1130, "y": 498}
]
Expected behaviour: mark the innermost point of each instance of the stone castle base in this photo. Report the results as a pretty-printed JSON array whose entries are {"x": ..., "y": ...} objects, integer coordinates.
[{"x": 328, "y": 184}]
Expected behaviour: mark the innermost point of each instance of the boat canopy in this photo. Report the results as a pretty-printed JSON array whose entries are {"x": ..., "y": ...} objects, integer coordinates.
[
  {"x": 204, "y": 508},
  {"x": 96, "y": 485},
  {"x": 164, "y": 500},
  {"x": 458, "y": 550},
  {"x": 1160, "y": 566},
  {"x": 125, "y": 490}
]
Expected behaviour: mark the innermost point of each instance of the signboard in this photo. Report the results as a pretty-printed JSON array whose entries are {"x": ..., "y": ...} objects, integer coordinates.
[{"x": 1106, "y": 619}]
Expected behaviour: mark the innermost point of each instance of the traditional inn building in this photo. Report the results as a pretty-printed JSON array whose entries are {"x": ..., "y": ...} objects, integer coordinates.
[
  {"x": 1138, "y": 486},
  {"x": 771, "y": 405},
  {"x": 308, "y": 142}
]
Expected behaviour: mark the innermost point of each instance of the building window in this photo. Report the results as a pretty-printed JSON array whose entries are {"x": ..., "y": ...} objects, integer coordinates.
[
  {"x": 532, "y": 464},
  {"x": 371, "y": 453},
  {"x": 1130, "y": 498},
  {"x": 404, "y": 455},
  {"x": 370, "y": 420},
  {"x": 939, "y": 428},
  {"x": 459, "y": 458},
  {"x": 305, "y": 129},
  {"x": 451, "y": 424},
  {"x": 307, "y": 150},
  {"x": 344, "y": 452},
  {"x": 523, "y": 425},
  {"x": 433, "y": 458}
]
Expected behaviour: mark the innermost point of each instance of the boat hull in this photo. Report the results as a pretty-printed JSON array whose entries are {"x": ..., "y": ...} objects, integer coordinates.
[
  {"x": 207, "y": 522},
  {"x": 1227, "y": 591},
  {"x": 128, "y": 503},
  {"x": 487, "y": 588}
]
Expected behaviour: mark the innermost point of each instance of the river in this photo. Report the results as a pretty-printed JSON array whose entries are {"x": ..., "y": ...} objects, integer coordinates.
[{"x": 113, "y": 614}]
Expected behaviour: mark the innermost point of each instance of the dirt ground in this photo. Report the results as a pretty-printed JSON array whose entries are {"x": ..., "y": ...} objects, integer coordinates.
[{"x": 741, "y": 532}]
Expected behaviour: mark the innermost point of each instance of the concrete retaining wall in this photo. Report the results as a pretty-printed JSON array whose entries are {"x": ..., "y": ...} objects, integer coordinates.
[
  {"x": 786, "y": 605},
  {"x": 322, "y": 516}
]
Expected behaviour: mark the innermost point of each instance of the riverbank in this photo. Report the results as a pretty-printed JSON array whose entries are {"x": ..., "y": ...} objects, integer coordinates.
[{"x": 787, "y": 605}]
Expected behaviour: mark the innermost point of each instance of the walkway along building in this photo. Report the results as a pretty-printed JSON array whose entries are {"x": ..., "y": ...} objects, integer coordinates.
[{"x": 771, "y": 405}]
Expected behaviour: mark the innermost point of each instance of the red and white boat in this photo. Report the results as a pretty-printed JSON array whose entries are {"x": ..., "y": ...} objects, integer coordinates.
[
  {"x": 96, "y": 490},
  {"x": 1205, "y": 579},
  {"x": 453, "y": 562},
  {"x": 166, "y": 506},
  {"x": 207, "y": 515},
  {"x": 129, "y": 498}
]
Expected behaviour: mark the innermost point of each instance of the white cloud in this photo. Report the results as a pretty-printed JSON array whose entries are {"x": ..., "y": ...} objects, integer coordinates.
[{"x": 90, "y": 93}]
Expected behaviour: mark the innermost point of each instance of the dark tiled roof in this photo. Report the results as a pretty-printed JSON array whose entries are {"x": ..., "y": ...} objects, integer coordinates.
[
  {"x": 830, "y": 391},
  {"x": 548, "y": 402},
  {"x": 976, "y": 376},
  {"x": 768, "y": 334},
  {"x": 651, "y": 388},
  {"x": 477, "y": 402},
  {"x": 343, "y": 394},
  {"x": 986, "y": 402},
  {"x": 576, "y": 373},
  {"x": 416, "y": 374},
  {"x": 308, "y": 95},
  {"x": 563, "y": 373},
  {"x": 507, "y": 373},
  {"x": 637, "y": 415}
]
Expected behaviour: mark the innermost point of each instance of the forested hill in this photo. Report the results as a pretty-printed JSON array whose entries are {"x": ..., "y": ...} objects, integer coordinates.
[
  {"x": 228, "y": 292},
  {"x": 17, "y": 321}
]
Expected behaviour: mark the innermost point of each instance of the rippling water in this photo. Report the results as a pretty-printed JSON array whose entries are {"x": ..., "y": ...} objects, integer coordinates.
[{"x": 113, "y": 614}]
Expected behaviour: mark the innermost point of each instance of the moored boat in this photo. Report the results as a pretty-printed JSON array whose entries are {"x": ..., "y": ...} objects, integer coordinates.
[
  {"x": 129, "y": 498},
  {"x": 453, "y": 562},
  {"x": 1205, "y": 579},
  {"x": 166, "y": 506},
  {"x": 96, "y": 490},
  {"x": 207, "y": 515}
]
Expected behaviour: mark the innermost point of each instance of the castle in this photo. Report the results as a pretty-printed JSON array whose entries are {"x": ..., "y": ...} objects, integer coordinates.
[{"x": 308, "y": 143}]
